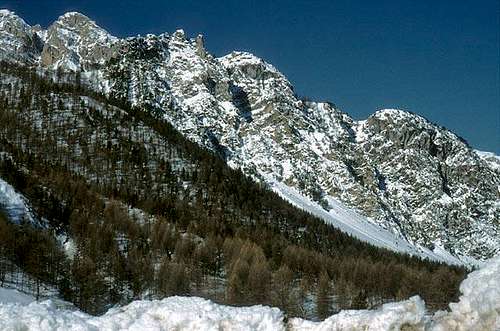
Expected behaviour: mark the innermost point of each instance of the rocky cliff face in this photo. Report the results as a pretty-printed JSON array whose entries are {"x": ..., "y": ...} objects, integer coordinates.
[
  {"x": 406, "y": 174},
  {"x": 19, "y": 41},
  {"x": 75, "y": 42}
]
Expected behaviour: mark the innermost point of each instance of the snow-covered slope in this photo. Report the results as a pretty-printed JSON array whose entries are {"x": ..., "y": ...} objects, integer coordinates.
[
  {"x": 491, "y": 159},
  {"x": 360, "y": 227},
  {"x": 15, "y": 205},
  {"x": 478, "y": 309},
  {"x": 409, "y": 178},
  {"x": 11, "y": 296}
]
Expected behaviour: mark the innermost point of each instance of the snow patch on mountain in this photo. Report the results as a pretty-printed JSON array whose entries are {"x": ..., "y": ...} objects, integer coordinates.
[
  {"x": 492, "y": 159},
  {"x": 15, "y": 205},
  {"x": 351, "y": 222}
]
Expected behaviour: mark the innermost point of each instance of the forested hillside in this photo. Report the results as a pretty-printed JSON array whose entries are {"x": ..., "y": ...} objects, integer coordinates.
[{"x": 151, "y": 214}]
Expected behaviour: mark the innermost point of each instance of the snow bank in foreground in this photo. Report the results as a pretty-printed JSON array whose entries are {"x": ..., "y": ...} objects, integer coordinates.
[
  {"x": 479, "y": 304},
  {"x": 392, "y": 316},
  {"x": 174, "y": 313},
  {"x": 477, "y": 310},
  {"x": 191, "y": 313}
]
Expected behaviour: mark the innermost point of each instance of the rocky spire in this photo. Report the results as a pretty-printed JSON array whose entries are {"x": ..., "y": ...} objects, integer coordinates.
[{"x": 200, "y": 46}]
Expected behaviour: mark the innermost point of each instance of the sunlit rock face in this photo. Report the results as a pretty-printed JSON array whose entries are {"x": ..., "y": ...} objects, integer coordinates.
[{"x": 19, "y": 42}]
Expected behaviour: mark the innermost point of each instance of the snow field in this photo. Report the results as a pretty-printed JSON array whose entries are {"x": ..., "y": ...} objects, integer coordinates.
[
  {"x": 10, "y": 296},
  {"x": 13, "y": 203},
  {"x": 349, "y": 221},
  {"x": 173, "y": 313}
]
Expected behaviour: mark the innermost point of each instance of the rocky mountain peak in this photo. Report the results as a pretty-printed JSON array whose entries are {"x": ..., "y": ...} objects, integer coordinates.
[
  {"x": 406, "y": 130},
  {"x": 384, "y": 118},
  {"x": 74, "y": 42},
  {"x": 9, "y": 20},
  {"x": 248, "y": 64},
  {"x": 394, "y": 114},
  {"x": 179, "y": 35},
  {"x": 75, "y": 19},
  {"x": 260, "y": 84},
  {"x": 18, "y": 42}
]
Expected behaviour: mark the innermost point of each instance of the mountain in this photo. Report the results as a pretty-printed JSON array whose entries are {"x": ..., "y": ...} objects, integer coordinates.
[
  {"x": 407, "y": 178},
  {"x": 104, "y": 200},
  {"x": 102, "y": 203}
]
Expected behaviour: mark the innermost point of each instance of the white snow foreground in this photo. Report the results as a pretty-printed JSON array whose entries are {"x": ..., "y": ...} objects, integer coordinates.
[
  {"x": 173, "y": 313},
  {"x": 478, "y": 310},
  {"x": 11, "y": 296},
  {"x": 409, "y": 314},
  {"x": 479, "y": 305},
  {"x": 192, "y": 313}
]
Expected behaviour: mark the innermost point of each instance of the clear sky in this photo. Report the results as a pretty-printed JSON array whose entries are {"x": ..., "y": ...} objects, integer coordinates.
[{"x": 437, "y": 58}]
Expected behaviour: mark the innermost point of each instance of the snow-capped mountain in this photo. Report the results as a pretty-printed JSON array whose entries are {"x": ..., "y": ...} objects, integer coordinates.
[{"x": 414, "y": 180}]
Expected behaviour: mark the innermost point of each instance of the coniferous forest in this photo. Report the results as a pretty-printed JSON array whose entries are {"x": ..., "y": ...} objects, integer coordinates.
[{"x": 148, "y": 214}]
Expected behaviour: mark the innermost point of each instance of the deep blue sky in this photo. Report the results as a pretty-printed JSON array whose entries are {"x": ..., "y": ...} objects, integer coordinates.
[{"x": 438, "y": 58}]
